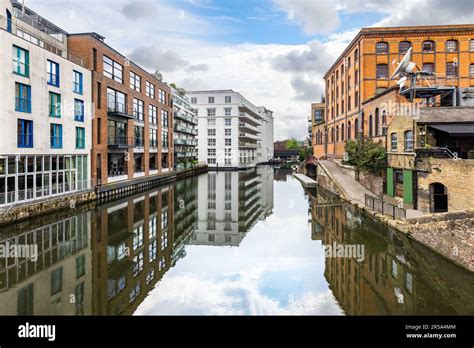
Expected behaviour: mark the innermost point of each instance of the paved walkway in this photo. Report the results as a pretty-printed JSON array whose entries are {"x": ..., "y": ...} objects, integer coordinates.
[
  {"x": 305, "y": 180},
  {"x": 352, "y": 189}
]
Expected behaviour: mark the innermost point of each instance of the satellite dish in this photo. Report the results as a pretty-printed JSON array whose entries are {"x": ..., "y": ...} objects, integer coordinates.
[
  {"x": 401, "y": 82},
  {"x": 405, "y": 66}
]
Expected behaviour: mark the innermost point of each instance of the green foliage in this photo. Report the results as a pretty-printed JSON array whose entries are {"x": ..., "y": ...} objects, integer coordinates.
[
  {"x": 367, "y": 156},
  {"x": 158, "y": 75},
  {"x": 305, "y": 153},
  {"x": 292, "y": 144}
]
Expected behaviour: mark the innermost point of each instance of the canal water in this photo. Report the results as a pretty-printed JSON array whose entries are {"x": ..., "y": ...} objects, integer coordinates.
[{"x": 253, "y": 242}]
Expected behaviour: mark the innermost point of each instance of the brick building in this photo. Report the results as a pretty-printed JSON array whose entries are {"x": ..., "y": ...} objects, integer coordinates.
[
  {"x": 318, "y": 128},
  {"x": 363, "y": 72},
  {"x": 132, "y": 129}
]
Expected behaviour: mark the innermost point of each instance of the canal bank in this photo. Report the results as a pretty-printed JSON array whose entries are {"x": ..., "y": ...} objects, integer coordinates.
[
  {"x": 15, "y": 213},
  {"x": 450, "y": 234}
]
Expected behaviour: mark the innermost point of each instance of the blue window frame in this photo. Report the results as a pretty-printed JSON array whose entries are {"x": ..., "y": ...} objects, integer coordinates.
[
  {"x": 21, "y": 61},
  {"x": 78, "y": 79},
  {"x": 25, "y": 133},
  {"x": 54, "y": 105},
  {"x": 78, "y": 110},
  {"x": 80, "y": 138},
  {"x": 56, "y": 131},
  {"x": 22, "y": 97},
  {"x": 53, "y": 73}
]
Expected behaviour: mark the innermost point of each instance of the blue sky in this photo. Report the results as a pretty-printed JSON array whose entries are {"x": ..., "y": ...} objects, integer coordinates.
[{"x": 274, "y": 52}]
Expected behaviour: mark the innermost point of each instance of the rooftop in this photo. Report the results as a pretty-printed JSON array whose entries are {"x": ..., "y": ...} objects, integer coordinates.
[{"x": 434, "y": 115}]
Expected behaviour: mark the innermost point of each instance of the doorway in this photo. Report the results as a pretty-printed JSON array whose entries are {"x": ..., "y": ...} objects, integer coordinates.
[{"x": 439, "y": 198}]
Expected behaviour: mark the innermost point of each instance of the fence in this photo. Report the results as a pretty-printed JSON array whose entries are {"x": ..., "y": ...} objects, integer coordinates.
[{"x": 379, "y": 206}]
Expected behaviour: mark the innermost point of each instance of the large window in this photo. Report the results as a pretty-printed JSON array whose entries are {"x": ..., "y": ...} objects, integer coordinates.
[
  {"x": 382, "y": 71},
  {"x": 403, "y": 47},
  {"x": 139, "y": 136},
  {"x": 153, "y": 138},
  {"x": 428, "y": 67},
  {"x": 78, "y": 110},
  {"x": 451, "y": 46},
  {"x": 138, "y": 111},
  {"x": 22, "y": 97},
  {"x": 162, "y": 96},
  {"x": 150, "y": 89},
  {"x": 164, "y": 118},
  {"x": 113, "y": 70},
  {"x": 25, "y": 133},
  {"x": 409, "y": 141},
  {"x": 21, "y": 61},
  {"x": 135, "y": 81},
  {"x": 393, "y": 142},
  {"x": 428, "y": 46},
  {"x": 80, "y": 138},
  {"x": 78, "y": 82},
  {"x": 381, "y": 48},
  {"x": 153, "y": 114},
  {"x": 116, "y": 101},
  {"x": 56, "y": 133},
  {"x": 117, "y": 133},
  {"x": 451, "y": 69},
  {"x": 164, "y": 139},
  {"x": 53, "y": 73},
  {"x": 54, "y": 105}
]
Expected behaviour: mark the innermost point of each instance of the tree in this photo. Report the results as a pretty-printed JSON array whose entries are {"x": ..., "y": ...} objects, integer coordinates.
[
  {"x": 367, "y": 156},
  {"x": 292, "y": 144},
  {"x": 157, "y": 75},
  {"x": 305, "y": 153},
  {"x": 352, "y": 151}
]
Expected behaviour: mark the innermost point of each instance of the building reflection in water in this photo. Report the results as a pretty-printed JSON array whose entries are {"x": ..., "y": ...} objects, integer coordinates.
[
  {"x": 106, "y": 260},
  {"x": 397, "y": 277}
]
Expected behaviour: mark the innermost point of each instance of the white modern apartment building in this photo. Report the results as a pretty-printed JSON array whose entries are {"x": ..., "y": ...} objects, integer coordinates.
[
  {"x": 265, "y": 144},
  {"x": 45, "y": 113},
  {"x": 229, "y": 128}
]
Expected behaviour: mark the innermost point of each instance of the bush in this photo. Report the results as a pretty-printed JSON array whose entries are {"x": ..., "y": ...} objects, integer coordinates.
[
  {"x": 352, "y": 151},
  {"x": 367, "y": 156}
]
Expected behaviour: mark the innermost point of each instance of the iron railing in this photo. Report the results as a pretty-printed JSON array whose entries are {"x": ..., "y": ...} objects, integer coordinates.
[{"x": 379, "y": 206}]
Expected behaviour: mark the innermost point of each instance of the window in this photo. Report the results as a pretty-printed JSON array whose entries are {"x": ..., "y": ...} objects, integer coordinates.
[
  {"x": 135, "y": 81},
  {"x": 211, "y": 142},
  {"x": 342, "y": 132},
  {"x": 25, "y": 133},
  {"x": 56, "y": 132},
  {"x": 53, "y": 73},
  {"x": 428, "y": 46},
  {"x": 408, "y": 141},
  {"x": 164, "y": 118},
  {"x": 138, "y": 110},
  {"x": 211, "y": 152},
  {"x": 211, "y": 161},
  {"x": 228, "y": 99},
  {"x": 54, "y": 105},
  {"x": 337, "y": 134},
  {"x": 228, "y": 132},
  {"x": 22, "y": 97},
  {"x": 164, "y": 140},
  {"x": 382, "y": 71},
  {"x": 193, "y": 100},
  {"x": 371, "y": 129},
  {"x": 56, "y": 281},
  {"x": 227, "y": 111},
  {"x": 356, "y": 55},
  {"x": 211, "y": 122},
  {"x": 381, "y": 48},
  {"x": 349, "y": 130},
  {"x": 471, "y": 45},
  {"x": 153, "y": 138},
  {"x": 78, "y": 110},
  {"x": 77, "y": 82},
  {"x": 21, "y": 61},
  {"x": 428, "y": 67},
  {"x": 451, "y": 69},
  {"x": 451, "y": 46},
  {"x": 394, "y": 142},
  {"x": 211, "y": 132},
  {"x": 150, "y": 89},
  {"x": 139, "y": 140},
  {"x": 471, "y": 71},
  {"x": 113, "y": 70},
  {"x": 152, "y": 114},
  {"x": 211, "y": 112},
  {"x": 211, "y": 100},
  {"x": 116, "y": 101},
  {"x": 403, "y": 47},
  {"x": 80, "y": 138},
  {"x": 227, "y": 122},
  {"x": 228, "y": 142}
]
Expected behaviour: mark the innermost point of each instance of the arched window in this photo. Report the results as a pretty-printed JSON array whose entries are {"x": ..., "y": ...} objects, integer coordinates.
[
  {"x": 381, "y": 47},
  {"x": 451, "y": 46},
  {"x": 428, "y": 46},
  {"x": 337, "y": 134},
  {"x": 356, "y": 55},
  {"x": 377, "y": 122},
  {"x": 342, "y": 132},
  {"x": 403, "y": 47},
  {"x": 393, "y": 142},
  {"x": 408, "y": 141},
  {"x": 471, "y": 71},
  {"x": 356, "y": 128},
  {"x": 349, "y": 130},
  {"x": 384, "y": 122},
  {"x": 371, "y": 130}
]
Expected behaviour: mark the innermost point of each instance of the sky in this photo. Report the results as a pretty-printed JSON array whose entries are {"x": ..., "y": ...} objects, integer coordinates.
[{"x": 274, "y": 52}]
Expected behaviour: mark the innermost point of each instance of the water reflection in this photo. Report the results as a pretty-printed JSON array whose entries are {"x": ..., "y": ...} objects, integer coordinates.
[{"x": 224, "y": 243}]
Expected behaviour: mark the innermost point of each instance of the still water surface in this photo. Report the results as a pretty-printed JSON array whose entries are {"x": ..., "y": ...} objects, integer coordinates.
[{"x": 225, "y": 243}]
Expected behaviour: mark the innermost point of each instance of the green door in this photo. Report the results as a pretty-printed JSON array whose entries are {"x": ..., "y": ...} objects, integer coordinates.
[
  {"x": 390, "y": 190},
  {"x": 408, "y": 187}
]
